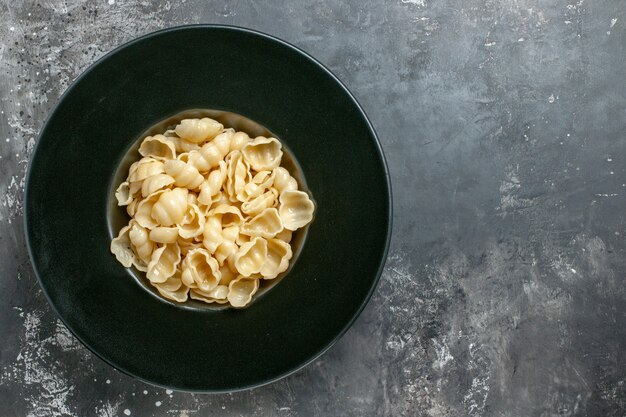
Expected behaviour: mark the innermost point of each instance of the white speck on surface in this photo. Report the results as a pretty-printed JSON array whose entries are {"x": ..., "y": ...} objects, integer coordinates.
[
  {"x": 11, "y": 28},
  {"x": 521, "y": 40},
  {"x": 108, "y": 381},
  {"x": 108, "y": 410},
  {"x": 420, "y": 3},
  {"x": 169, "y": 391},
  {"x": 490, "y": 43},
  {"x": 613, "y": 22},
  {"x": 612, "y": 172},
  {"x": 127, "y": 412},
  {"x": 573, "y": 270},
  {"x": 111, "y": 2},
  {"x": 158, "y": 403},
  {"x": 607, "y": 195},
  {"x": 145, "y": 392},
  {"x": 551, "y": 98},
  {"x": 609, "y": 159}
]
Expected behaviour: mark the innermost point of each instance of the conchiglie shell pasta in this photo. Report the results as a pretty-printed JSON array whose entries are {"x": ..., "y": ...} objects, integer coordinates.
[
  {"x": 155, "y": 183},
  {"x": 164, "y": 234},
  {"x": 296, "y": 209},
  {"x": 198, "y": 130},
  {"x": 241, "y": 290},
  {"x": 238, "y": 174},
  {"x": 263, "y": 153},
  {"x": 212, "y": 212},
  {"x": 212, "y": 233},
  {"x": 260, "y": 203},
  {"x": 141, "y": 242},
  {"x": 143, "y": 211},
  {"x": 200, "y": 270},
  {"x": 211, "y": 154},
  {"x": 121, "y": 247},
  {"x": 170, "y": 207},
  {"x": 278, "y": 256},
  {"x": 192, "y": 224},
  {"x": 283, "y": 181},
  {"x": 158, "y": 147},
  {"x": 265, "y": 224},
  {"x": 184, "y": 174},
  {"x": 122, "y": 194},
  {"x": 173, "y": 289},
  {"x": 163, "y": 263},
  {"x": 216, "y": 295},
  {"x": 239, "y": 140},
  {"x": 251, "y": 256}
]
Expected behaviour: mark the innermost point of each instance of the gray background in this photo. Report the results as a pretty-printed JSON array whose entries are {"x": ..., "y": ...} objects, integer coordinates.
[{"x": 503, "y": 122}]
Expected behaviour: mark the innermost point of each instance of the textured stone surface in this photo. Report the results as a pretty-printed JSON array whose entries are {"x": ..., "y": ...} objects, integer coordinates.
[{"x": 503, "y": 124}]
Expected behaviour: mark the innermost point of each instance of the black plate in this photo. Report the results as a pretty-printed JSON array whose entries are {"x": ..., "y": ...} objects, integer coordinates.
[{"x": 266, "y": 80}]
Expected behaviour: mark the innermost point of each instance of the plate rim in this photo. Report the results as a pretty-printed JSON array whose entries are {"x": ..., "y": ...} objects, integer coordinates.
[{"x": 320, "y": 66}]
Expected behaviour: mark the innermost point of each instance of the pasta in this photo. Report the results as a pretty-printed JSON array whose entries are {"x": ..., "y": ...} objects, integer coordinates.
[{"x": 212, "y": 213}]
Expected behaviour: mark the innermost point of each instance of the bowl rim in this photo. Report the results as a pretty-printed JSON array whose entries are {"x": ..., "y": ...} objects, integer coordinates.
[{"x": 293, "y": 48}]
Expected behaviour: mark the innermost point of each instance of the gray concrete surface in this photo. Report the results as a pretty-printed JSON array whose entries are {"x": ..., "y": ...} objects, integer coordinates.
[{"x": 504, "y": 124}]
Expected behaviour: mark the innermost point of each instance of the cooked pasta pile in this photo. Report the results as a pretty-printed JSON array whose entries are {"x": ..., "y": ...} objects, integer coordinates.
[{"x": 212, "y": 213}]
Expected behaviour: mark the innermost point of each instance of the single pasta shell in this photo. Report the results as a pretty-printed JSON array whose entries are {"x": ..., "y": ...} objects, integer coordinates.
[
  {"x": 200, "y": 270},
  {"x": 239, "y": 140},
  {"x": 163, "y": 263},
  {"x": 198, "y": 130},
  {"x": 251, "y": 256},
  {"x": 141, "y": 242},
  {"x": 170, "y": 207},
  {"x": 173, "y": 289},
  {"x": 158, "y": 147},
  {"x": 265, "y": 224},
  {"x": 216, "y": 295},
  {"x": 279, "y": 254},
  {"x": 192, "y": 224},
  {"x": 123, "y": 195},
  {"x": 210, "y": 154},
  {"x": 241, "y": 290},
  {"x": 296, "y": 209},
  {"x": 263, "y": 153},
  {"x": 212, "y": 233},
  {"x": 121, "y": 247}
]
